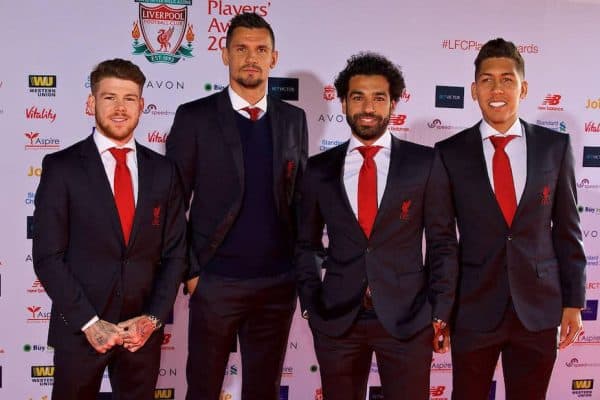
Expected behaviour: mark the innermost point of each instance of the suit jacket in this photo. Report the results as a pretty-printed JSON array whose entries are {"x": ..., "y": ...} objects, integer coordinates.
[
  {"x": 407, "y": 294},
  {"x": 205, "y": 144},
  {"x": 79, "y": 253},
  {"x": 539, "y": 261}
]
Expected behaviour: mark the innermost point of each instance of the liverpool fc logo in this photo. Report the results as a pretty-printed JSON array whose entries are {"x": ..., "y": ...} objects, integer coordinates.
[{"x": 163, "y": 30}]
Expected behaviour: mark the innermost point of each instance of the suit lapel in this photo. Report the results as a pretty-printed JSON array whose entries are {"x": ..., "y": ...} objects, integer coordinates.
[
  {"x": 532, "y": 144},
  {"x": 277, "y": 133},
  {"x": 394, "y": 178},
  {"x": 99, "y": 184},
  {"x": 145, "y": 174},
  {"x": 226, "y": 116},
  {"x": 336, "y": 180},
  {"x": 478, "y": 174}
]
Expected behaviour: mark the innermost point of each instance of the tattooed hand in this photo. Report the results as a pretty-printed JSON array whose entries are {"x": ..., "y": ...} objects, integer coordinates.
[
  {"x": 135, "y": 332},
  {"x": 103, "y": 336}
]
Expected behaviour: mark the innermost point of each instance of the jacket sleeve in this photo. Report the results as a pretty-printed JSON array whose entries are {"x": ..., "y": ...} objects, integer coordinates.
[
  {"x": 566, "y": 234},
  {"x": 442, "y": 245},
  {"x": 173, "y": 254},
  {"x": 50, "y": 243},
  {"x": 309, "y": 246}
]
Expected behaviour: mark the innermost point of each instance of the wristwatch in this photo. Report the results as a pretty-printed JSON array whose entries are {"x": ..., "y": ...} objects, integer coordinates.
[{"x": 155, "y": 321}]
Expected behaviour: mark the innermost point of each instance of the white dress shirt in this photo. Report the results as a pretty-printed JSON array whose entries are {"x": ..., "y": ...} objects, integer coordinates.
[
  {"x": 238, "y": 103},
  {"x": 516, "y": 150},
  {"x": 354, "y": 161},
  {"x": 108, "y": 160}
]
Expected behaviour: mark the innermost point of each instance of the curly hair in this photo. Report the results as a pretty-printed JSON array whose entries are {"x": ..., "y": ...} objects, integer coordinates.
[{"x": 368, "y": 63}]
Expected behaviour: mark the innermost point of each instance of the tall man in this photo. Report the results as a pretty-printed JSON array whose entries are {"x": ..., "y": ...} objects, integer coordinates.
[
  {"x": 109, "y": 246},
  {"x": 240, "y": 154},
  {"x": 376, "y": 194},
  {"x": 521, "y": 256}
]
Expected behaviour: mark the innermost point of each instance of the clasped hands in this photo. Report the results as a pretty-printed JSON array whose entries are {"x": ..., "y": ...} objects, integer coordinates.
[{"x": 131, "y": 334}]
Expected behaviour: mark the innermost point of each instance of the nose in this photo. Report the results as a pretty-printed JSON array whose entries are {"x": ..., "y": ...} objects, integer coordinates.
[
  {"x": 496, "y": 86},
  {"x": 369, "y": 105}
]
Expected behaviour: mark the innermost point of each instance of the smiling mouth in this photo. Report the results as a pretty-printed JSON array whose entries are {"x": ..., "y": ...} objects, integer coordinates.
[{"x": 497, "y": 104}]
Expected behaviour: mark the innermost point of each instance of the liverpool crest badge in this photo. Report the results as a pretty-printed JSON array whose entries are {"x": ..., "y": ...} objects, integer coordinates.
[{"x": 164, "y": 31}]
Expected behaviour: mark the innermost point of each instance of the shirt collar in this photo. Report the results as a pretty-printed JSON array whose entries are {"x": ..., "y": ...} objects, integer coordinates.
[
  {"x": 385, "y": 141},
  {"x": 238, "y": 102},
  {"x": 487, "y": 130},
  {"x": 103, "y": 143}
]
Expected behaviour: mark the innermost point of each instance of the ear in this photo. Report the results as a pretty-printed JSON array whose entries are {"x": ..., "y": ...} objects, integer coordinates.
[
  {"x": 142, "y": 105},
  {"x": 225, "y": 56},
  {"x": 524, "y": 87},
  {"x": 274, "y": 58},
  {"x": 344, "y": 106},
  {"x": 392, "y": 106},
  {"x": 90, "y": 105},
  {"x": 474, "y": 91}
]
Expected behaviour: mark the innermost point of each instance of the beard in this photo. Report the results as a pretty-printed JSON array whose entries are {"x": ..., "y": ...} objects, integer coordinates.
[
  {"x": 368, "y": 132},
  {"x": 250, "y": 82}
]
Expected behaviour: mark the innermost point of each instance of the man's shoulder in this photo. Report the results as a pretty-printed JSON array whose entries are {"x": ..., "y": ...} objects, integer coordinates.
[
  {"x": 284, "y": 106},
  {"x": 458, "y": 139},
  {"x": 73, "y": 151},
  {"x": 207, "y": 102}
]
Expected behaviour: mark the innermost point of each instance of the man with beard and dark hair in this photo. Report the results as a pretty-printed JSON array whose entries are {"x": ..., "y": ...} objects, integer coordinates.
[
  {"x": 240, "y": 154},
  {"x": 376, "y": 194},
  {"x": 522, "y": 264},
  {"x": 109, "y": 246}
]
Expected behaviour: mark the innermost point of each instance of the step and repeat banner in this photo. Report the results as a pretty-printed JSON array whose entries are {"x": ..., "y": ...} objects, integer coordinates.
[{"x": 49, "y": 49}]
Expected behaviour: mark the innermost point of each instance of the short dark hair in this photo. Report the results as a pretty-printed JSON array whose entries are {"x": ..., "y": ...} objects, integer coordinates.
[
  {"x": 248, "y": 20},
  {"x": 367, "y": 63},
  {"x": 499, "y": 47},
  {"x": 117, "y": 68}
]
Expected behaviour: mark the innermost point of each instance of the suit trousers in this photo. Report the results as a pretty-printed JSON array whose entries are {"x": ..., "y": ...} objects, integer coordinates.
[
  {"x": 259, "y": 311},
  {"x": 345, "y": 362},
  {"x": 527, "y": 360},
  {"x": 79, "y": 370}
]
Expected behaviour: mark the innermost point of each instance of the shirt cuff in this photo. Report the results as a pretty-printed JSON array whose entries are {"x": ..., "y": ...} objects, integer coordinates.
[{"x": 90, "y": 323}]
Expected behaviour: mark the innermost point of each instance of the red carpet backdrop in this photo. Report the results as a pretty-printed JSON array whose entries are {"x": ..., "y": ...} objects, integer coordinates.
[{"x": 49, "y": 49}]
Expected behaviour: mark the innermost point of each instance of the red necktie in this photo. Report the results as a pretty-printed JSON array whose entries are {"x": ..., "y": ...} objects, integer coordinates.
[
  {"x": 367, "y": 189},
  {"x": 504, "y": 186},
  {"x": 123, "y": 191},
  {"x": 253, "y": 111}
]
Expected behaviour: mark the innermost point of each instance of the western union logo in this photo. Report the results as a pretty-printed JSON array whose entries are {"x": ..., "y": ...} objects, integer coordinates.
[
  {"x": 42, "y": 371},
  {"x": 582, "y": 384},
  {"x": 168, "y": 394},
  {"x": 42, "y": 81}
]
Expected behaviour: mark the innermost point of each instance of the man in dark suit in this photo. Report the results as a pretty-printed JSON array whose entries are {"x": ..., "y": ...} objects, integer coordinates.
[
  {"x": 240, "y": 154},
  {"x": 522, "y": 265},
  {"x": 376, "y": 194},
  {"x": 109, "y": 246}
]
